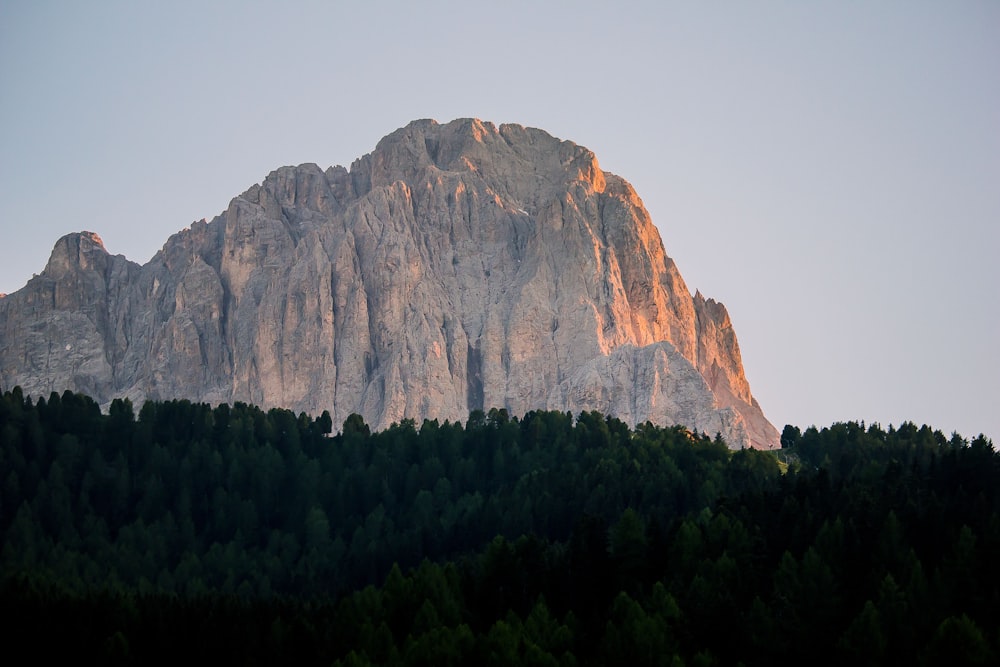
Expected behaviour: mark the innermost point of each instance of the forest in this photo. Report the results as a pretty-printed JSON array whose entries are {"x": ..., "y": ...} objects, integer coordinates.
[{"x": 258, "y": 537}]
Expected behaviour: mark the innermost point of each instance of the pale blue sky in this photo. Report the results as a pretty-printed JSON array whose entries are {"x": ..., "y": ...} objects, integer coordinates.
[{"x": 828, "y": 170}]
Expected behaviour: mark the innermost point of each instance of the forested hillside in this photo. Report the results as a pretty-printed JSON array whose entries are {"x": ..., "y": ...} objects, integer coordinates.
[{"x": 258, "y": 537}]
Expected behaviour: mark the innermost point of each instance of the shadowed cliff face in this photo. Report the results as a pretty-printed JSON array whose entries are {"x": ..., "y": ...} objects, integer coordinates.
[{"x": 456, "y": 267}]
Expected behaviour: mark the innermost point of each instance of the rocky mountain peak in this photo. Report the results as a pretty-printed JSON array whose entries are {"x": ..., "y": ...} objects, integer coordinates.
[
  {"x": 74, "y": 252},
  {"x": 458, "y": 266}
]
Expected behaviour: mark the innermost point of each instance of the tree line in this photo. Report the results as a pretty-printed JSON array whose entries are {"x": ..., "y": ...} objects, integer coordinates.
[{"x": 262, "y": 536}]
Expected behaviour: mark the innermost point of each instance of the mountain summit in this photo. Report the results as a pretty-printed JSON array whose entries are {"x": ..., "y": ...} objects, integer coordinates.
[{"x": 456, "y": 267}]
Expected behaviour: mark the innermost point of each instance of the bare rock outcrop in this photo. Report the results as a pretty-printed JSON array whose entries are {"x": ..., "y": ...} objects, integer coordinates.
[{"x": 456, "y": 267}]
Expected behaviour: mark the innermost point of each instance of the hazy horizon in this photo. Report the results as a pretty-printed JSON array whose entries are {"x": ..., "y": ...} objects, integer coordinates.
[{"x": 826, "y": 171}]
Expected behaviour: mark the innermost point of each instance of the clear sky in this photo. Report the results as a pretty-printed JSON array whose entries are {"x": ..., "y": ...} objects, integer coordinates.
[{"x": 828, "y": 170}]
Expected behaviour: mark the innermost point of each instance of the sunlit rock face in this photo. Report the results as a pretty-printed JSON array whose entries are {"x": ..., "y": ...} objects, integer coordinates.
[{"x": 457, "y": 267}]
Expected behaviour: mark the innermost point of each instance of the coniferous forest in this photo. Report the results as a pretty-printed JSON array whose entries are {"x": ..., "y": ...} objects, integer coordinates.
[{"x": 261, "y": 537}]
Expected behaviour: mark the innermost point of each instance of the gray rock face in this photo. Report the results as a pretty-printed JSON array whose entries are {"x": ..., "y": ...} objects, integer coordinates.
[{"x": 457, "y": 267}]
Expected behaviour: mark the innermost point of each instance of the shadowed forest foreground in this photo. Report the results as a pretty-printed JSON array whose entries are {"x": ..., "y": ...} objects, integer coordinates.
[{"x": 257, "y": 537}]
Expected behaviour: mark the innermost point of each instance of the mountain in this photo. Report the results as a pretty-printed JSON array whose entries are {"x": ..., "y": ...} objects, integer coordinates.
[{"x": 456, "y": 267}]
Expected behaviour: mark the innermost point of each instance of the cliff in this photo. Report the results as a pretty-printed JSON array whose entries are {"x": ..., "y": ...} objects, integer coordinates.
[{"x": 456, "y": 267}]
